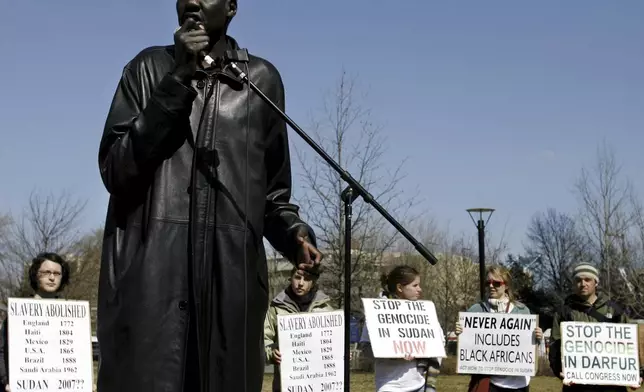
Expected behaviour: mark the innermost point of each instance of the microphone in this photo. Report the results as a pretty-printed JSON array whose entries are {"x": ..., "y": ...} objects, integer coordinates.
[
  {"x": 206, "y": 59},
  {"x": 232, "y": 56}
]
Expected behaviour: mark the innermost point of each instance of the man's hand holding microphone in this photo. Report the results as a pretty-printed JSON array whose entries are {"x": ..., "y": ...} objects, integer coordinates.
[{"x": 190, "y": 41}]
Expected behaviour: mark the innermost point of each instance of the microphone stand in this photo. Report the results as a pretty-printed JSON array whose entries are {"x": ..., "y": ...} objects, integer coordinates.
[{"x": 349, "y": 195}]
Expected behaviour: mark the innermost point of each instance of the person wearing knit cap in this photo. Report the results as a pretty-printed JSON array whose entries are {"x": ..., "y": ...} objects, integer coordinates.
[
  {"x": 589, "y": 305},
  {"x": 586, "y": 271}
]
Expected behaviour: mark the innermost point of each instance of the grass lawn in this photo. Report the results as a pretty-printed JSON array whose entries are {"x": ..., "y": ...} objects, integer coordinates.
[{"x": 363, "y": 382}]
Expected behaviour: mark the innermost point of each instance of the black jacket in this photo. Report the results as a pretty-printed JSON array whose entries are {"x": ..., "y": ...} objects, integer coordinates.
[
  {"x": 576, "y": 309},
  {"x": 197, "y": 175},
  {"x": 4, "y": 355}
]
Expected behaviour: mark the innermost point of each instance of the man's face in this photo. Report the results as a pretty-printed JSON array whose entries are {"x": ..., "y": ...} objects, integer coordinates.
[
  {"x": 585, "y": 286},
  {"x": 213, "y": 14},
  {"x": 49, "y": 276},
  {"x": 301, "y": 284}
]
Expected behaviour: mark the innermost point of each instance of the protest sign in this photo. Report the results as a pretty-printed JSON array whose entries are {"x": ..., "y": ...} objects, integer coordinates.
[
  {"x": 640, "y": 339},
  {"x": 50, "y": 346},
  {"x": 497, "y": 344},
  {"x": 312, "y": 348},
  {"x": 600, "y": 353},
  {"x": 399, "y": 327}
]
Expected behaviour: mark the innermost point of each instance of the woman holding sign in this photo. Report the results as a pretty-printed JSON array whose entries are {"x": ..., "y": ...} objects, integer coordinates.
[
  {"x": 501, "y": 299},
  {"x": 408, "y": 374},
  {"x": 48, "y": 276},
  {"x": 300, "y": 296}
]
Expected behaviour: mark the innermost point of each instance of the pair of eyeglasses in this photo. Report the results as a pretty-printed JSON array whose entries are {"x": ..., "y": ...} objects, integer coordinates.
[
  {"x": 49, "y": 273},
  {"x": 495, "y": 283}
]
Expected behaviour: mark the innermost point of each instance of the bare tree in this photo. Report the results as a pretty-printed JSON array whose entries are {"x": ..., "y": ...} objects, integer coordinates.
[
  {"x": 495, "y": 250},
  {"x": 279, "y": 272},
  {"x": 452, "y": 284},
  {"x": 609, "y": 213},
  {"x": 48, "y": 223},
  {"x": 554, "y": 240},
  {"x": 632, "y": 256},
  {"x": 347, "y": 133},
  {"x": 84, "y": 258},
  {"x": 606, "y": 208},
  {"x": 5, "y": 271}
]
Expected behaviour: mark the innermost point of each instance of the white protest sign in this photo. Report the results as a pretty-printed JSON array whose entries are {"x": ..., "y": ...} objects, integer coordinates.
[
  {"x": 398, "y": 327},
  {"x": 50, "y": 347},
  {"x": 600, "y": 353},
  {"x": 312, "y": 349},
  {"x": 497, "y": 344}
]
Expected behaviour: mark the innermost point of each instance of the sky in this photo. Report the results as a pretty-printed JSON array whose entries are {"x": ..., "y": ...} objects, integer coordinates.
[{"x": 493, "y": 104}]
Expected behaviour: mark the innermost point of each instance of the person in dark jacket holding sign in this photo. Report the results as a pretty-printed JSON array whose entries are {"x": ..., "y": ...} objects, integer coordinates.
[
  {"x": 585, "y": 305},
  {"x": 501, "y": 299}
]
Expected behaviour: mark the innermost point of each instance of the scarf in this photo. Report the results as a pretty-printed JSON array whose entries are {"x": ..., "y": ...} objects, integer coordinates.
[
  {"x": 500, "y": 305},
  {"x": 303, "y": 302}
]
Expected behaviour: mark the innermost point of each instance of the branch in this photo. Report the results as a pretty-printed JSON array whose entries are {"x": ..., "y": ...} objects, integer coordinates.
[{"x": 47, "y": 224}]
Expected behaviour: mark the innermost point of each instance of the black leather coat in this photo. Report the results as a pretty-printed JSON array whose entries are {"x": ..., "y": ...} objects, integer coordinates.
[{"x": 197, "y": 176}]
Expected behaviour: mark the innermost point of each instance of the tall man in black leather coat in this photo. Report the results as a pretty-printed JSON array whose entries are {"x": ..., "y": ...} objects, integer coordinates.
[{"x": 198, "y": 171}]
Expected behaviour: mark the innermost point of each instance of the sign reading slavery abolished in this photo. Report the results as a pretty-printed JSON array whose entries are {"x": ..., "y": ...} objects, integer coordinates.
[
  {"x": 312, "y": 348},
  {"x": 50, "y": 345}
]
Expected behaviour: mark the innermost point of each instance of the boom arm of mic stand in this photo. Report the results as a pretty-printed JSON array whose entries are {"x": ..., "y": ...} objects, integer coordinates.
[{"x": 353, "y": 183}]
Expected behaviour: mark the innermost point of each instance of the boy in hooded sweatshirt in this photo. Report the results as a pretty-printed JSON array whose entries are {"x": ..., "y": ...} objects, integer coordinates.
[{"x": 302, "y": 295}]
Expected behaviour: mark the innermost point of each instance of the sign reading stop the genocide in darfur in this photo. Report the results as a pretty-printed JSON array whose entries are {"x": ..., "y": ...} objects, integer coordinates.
[
  {"x": 600, "y": 353},
  {"x": 399, "y": 327}
]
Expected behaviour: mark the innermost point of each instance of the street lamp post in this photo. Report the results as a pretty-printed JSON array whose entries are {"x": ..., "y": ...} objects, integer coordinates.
[{"x": 480, "y": 224}]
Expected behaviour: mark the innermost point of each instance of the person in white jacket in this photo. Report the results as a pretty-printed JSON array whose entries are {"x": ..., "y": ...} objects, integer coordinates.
[{"x": 409, "y": 374}]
